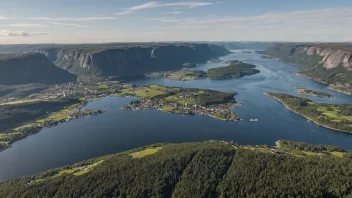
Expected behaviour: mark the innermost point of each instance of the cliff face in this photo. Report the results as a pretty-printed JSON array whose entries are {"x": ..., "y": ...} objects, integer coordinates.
[
  {"x": 18, "y": 69},
  {"x": 327, "y": 63},
  {"x": 130, "y": 60}
]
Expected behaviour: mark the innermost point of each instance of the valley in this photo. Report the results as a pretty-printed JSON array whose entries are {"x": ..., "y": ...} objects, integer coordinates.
[{"x": 116, "y": 128}]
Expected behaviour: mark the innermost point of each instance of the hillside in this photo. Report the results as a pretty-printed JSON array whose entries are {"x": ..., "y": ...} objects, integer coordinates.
[
  {"x": 123, "y": 59},
  {"x": 16, "y": 69},
  {"x": 208, "y": 169},
  {"x": 327, "y": 63}
]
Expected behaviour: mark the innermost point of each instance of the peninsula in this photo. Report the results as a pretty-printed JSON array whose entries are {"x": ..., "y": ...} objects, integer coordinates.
[
  {"x": 183, "y": 101},
  {"x": 314, "y": 93},
  {"x": 333, "y": 116}
]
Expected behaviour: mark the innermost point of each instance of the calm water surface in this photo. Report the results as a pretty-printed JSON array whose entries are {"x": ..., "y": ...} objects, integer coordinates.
[{"x": 117, "y": 130}]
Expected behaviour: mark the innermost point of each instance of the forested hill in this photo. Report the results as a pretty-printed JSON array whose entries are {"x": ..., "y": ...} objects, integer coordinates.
[
  {"x": 209, "y": 169},
  {"x": 27, "y": 68}
]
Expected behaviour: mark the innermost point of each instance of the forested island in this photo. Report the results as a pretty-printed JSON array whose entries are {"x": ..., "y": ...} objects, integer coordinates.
[
  {"x": 333, "y": 116},
  {"x": 190, "y": 101},
  {"x": 206, "y": 169},
  {"x": 235, "y": 69},
  {"x": 314, "y": 93},
  {"x": 179, "y": 75}
]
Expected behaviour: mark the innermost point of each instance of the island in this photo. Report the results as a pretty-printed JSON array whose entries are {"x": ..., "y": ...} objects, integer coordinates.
[
  {"x": 198, "y": 169},
  {"x": 314, "y": 93},
  {"x": 333, "y": 116},
  {"x": 181, "y": 75},
  {"x": 235, "y": 69},
  {"x": 189, "y": 101}
]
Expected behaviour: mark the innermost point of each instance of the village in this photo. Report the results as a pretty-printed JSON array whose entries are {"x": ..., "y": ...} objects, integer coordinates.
[
  {"x": 219, "y": 111},
  {"x": 87, "y": 89}
]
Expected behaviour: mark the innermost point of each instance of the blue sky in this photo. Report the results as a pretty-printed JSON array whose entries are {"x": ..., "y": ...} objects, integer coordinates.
[{"x": 92, "y": 21}]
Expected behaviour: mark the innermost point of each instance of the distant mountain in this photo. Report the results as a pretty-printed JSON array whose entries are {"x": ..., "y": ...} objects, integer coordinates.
[
  {"x": 124, "y": 59},
  {"x": 208, "y": 169},
  {"x": 246, "y": 45},
  {"x": 16, "y": 69},
  {"x": 329, "y": 63}
]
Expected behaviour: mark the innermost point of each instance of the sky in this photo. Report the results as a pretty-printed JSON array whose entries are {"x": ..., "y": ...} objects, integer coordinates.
[{"x": 101, "y": 21}]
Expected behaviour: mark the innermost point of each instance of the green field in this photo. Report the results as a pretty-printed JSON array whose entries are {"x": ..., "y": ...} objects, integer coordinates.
[{"x": 145, "y": 152}]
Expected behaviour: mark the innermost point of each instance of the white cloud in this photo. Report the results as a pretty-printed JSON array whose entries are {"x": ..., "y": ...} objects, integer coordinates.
[
  {"x": 348, "y": 39},
  {"x": 74, "y": 18},
  {"x": 123, "y": 13},
  {"x": 176, "y": 12},
  {"x": 24, "y": 25},
  {"x": 154, "y": 4},
  {"x": 3, "y": 18},
  {"x": 69, "y": 24},
  {"x": 298, "y": 19},
  {"x": 22, "y": 33},
  {"x": 163, "y": 19}
]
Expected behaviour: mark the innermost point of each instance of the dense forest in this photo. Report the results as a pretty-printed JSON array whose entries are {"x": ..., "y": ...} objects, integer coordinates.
[
  {"x": 336, "y": 116},
  {"x": 209, "y": 169},
  {"x": 235, "y": 69}
]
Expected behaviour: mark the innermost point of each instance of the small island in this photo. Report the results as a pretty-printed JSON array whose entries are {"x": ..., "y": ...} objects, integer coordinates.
[
  {"x": 181, "y": 75},
  {"x": 333, "y": 116},
  {"x": 214, "y": 60},
  {"x": 314, "y": 93},
  {"x": 235, "y": 69},
  {"x": 178, "y": 100},
  {"x": 189, "y": 64}
]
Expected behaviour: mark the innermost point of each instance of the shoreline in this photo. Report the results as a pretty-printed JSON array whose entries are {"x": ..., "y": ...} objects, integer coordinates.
[
  {"x": 306, "y": 116},
  {"x": 302, "y": 75},
  {"x": 34, "y": 129},
  {"x": 328, "y": 85}
]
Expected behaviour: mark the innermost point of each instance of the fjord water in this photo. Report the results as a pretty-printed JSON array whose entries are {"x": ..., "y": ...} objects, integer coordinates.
[{"x": 117, "y": 130}]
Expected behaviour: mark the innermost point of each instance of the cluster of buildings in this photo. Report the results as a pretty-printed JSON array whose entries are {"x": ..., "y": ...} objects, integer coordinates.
[{"x": 192, "y": 109}]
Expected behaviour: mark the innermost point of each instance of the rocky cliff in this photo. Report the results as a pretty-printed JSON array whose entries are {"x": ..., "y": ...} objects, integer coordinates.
[
  {"x": 129, "y": 59},
  {"x": 327, "y": 63},
  {"x": 18, "y": 69}
]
